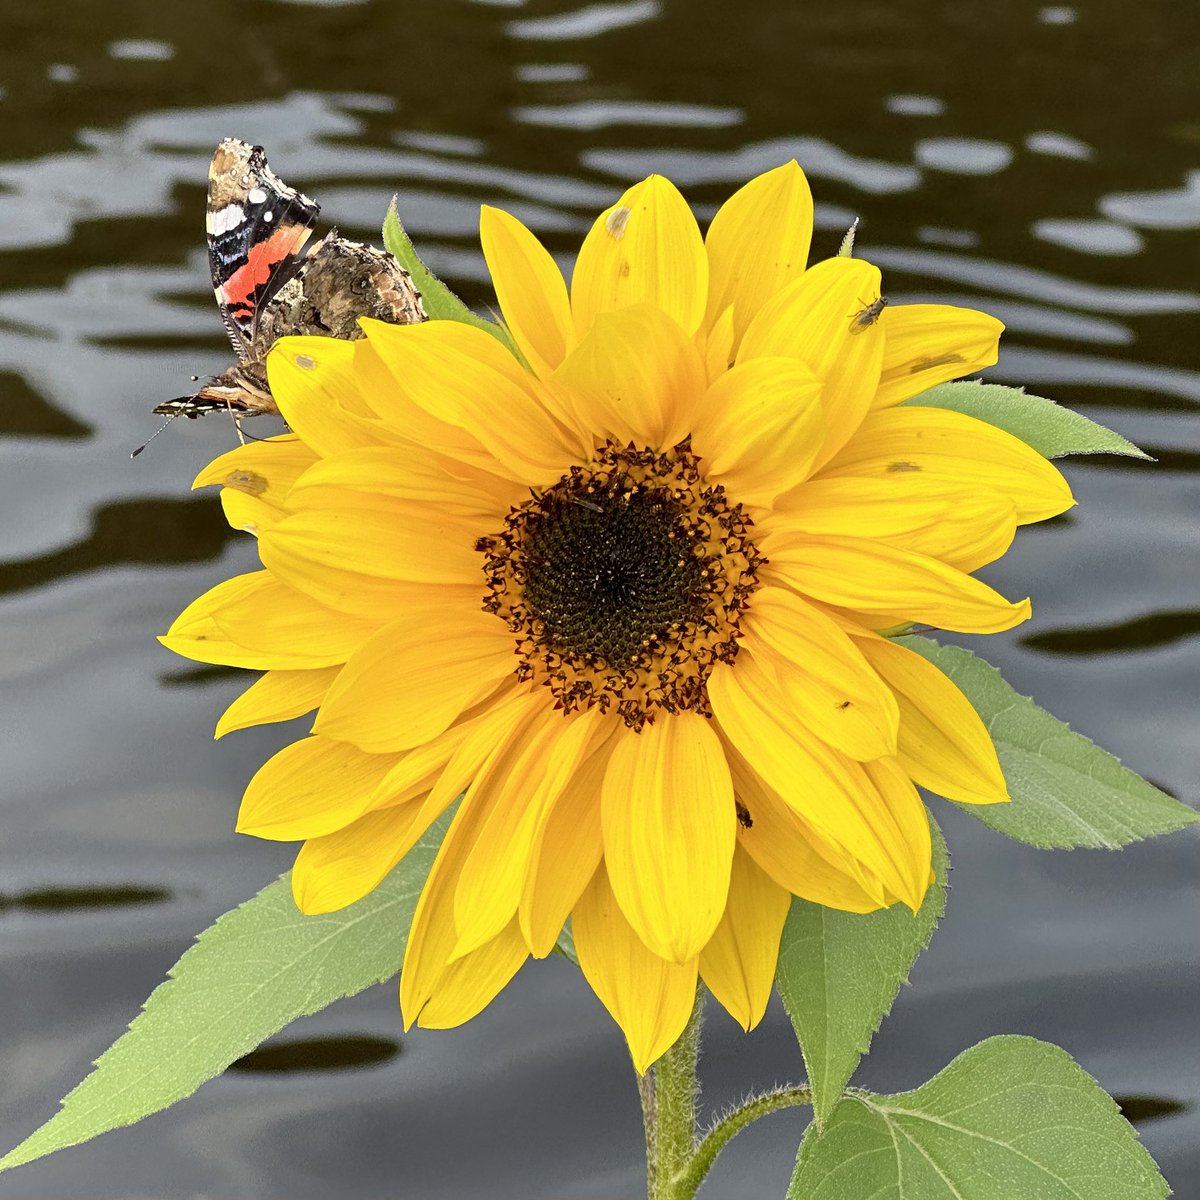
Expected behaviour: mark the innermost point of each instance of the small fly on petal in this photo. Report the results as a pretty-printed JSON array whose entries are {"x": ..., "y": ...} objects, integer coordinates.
[{"x": 868, "y": 316}]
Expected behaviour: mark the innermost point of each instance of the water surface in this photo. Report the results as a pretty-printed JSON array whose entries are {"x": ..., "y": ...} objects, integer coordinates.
[{"x": 1039, "y": 162}]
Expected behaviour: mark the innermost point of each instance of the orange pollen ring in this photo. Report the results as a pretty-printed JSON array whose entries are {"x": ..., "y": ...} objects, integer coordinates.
[{"x": 624, "y": 583}]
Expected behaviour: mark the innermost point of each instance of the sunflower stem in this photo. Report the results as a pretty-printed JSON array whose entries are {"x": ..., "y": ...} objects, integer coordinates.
[
  {"x": 650, "y": 1125},
  {"x": 671, "y": 1120},
  {"x": 723, "y": 1130}
]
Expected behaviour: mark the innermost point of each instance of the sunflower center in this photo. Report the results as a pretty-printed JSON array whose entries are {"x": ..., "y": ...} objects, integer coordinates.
[{"x": 624, "y": 582}]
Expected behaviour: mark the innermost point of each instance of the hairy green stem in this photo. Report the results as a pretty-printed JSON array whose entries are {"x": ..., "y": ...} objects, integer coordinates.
[
  {"x": 677, "y": 1161},
  {"x": 719, "y": 1136},
  {"x": 650, "y": 1125},
  {"x": 671, "y": 1136}
]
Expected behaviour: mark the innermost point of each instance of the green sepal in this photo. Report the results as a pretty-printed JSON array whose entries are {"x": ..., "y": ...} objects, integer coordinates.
[
  {"x": 440, "y": 303},
  {"x": 846, "y": 249}
]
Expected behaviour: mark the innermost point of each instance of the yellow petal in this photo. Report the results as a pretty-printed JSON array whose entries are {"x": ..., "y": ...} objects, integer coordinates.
[
  {"x": 759, "y": 428},
  {"x": 432, "y": 938},
  {"x": 965, "y": 529},
  {"x": 944, "y": 745},
  {"x": 460, "y": 752},
  {"x": 265, "y": 470},
  {"x": 796, "y": 855},
  {"x": 339, "y": 868},
  {"x": 210, "y": 629},
  {"x": 530, "y": 288},
  {"x": 757, "y": 243},
  {"x": 567, "y": 849},
  {"x": 904, "y": 804},
  {"x": 821, "y": 674},
  {"x": 645, "y": 249},
  {"x": 828, "y": 790},
  {"x": 519, "y": 790},
  {"x": 817, "y": 319},
  {"x": 649, "y": 998},
  {"x": 718, "y": 345},
  {"x": 927, "y": 344},
  {"x": 738, "y": 964},
  {"x": 464, "y": 376},
  {"x": 413, "y": 678},
  {"x": 873, "y": 577},
  {"x": 277, "y": 696},
  {"x": 469, "y": 984},
  {"x": 407, "y": 472},
  {"x": 636, "y": 376},
  {"x": 958, "y": 451},
  {"x": 669, "y": 828},
  {"x": 316, "y": 387},
  {"x": 310, "y": 788},
  {"x": 407, "y": 422},
  {"x": 356, "y": 556},
  {"x": 248, "y": 514},
  {"x": 274, "y": 620}
]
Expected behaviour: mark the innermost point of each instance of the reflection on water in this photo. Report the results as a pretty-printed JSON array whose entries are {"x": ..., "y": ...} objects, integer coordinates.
[
  {"x": 290, "y": 1056},
  {"x": 1154, "y": 629},
  {"x": 1141, "y": 1109},
  {"x": 161, "y": 531},
  {"x": 70, "y": 899},
  {"x": 992, "y": 162}
]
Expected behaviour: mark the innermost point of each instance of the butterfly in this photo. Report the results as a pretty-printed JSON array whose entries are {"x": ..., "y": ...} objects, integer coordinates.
[{"x": 257, "y": 229}]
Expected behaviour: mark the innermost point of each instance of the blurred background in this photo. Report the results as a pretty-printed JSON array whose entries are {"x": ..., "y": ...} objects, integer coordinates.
[{"x": 1040, "y": 162}]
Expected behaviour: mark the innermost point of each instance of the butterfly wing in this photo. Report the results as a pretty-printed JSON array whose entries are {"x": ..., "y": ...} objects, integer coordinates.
[{"x": 256, "y": 226}]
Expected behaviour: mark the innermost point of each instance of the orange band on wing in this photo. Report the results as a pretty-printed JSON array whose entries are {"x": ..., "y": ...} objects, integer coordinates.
[{"x": 261, "y": 260}]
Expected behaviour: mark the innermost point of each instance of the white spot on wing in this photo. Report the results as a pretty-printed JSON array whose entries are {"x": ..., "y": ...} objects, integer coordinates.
[
  {"x": 224, "y": 219},
  {"x": 257, "y": 196}
]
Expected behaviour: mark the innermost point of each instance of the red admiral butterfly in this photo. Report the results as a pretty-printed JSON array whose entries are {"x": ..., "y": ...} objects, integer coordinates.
[{"x": 257, "y": 227}]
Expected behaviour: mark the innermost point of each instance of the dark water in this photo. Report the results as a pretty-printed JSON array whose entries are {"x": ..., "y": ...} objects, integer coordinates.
[{"x": 1043, "y": 163}]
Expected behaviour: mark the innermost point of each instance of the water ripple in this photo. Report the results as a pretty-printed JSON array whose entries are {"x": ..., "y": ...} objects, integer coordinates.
[
  {"x": 1088, "y": 235},
  {"x": 1021, "y": 364},
  {"x": 604, "y": 114},
  {"x": 1034, "y": 282},
  {"x": 585, "y": 23},
  {"x": 1178, "y": 208},
  {"x": 963, "y": 156},
  {"x": 820, "y": 158}
]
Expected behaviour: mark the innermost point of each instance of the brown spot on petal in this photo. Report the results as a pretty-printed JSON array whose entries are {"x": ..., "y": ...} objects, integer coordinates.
[
  {"x": 617, "y": 220},
  {"x": 250, "y": 482},
  {"x": 926, "y": 364}
]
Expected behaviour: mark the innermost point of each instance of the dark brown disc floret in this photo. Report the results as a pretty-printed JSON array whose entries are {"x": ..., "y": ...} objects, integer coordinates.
[{"x": 624, "y": 583}]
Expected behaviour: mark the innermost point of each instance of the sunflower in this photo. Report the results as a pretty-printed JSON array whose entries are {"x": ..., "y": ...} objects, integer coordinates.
[{"x": 624, "y": 593}]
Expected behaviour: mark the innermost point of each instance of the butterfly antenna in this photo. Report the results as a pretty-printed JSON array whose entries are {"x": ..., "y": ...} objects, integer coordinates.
[{"x": 135, "y": 453}]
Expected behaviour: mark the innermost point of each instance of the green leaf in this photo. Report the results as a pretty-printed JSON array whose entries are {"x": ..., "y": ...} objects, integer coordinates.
[
  {"x": 441, "y": 304},
  {"x": 1065, "y": 790},
  {"x": 1010, "y": 1119},
  {"x": 839, "y": 974},
  {"x": 249, "y": 974},
  {"x": 1049, "y": 428}
]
